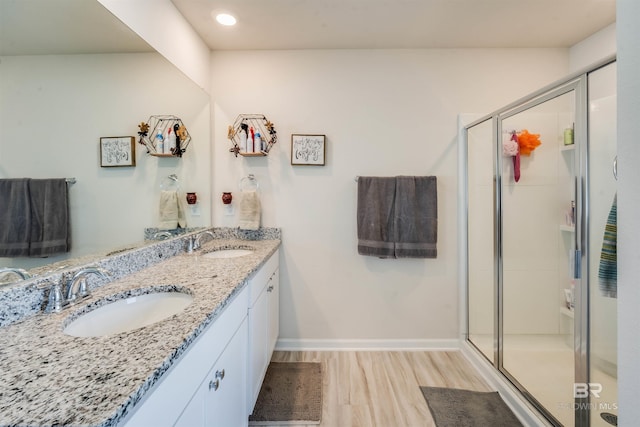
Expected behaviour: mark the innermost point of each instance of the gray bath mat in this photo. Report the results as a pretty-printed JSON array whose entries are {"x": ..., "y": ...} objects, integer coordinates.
[
  {"x": 291, "y": 394},
  {"x": 452, "y": 407}
]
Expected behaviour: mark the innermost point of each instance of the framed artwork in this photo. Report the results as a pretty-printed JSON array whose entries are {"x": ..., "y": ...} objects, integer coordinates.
[
  {"x": 307, "y": 150},
  {"x": 116, "y": 151}
]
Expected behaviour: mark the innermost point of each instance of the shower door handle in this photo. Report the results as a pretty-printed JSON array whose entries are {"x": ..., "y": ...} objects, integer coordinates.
[{"x": 577, "y": 257}]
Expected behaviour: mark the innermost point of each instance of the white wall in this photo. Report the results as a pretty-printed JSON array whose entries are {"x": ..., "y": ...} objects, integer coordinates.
[
  {"x": 54, "y": 109},
  {"x": 592, "y": 49},
  {"x": 628, "y": 35},
  {"x": 385, "y": 112}
]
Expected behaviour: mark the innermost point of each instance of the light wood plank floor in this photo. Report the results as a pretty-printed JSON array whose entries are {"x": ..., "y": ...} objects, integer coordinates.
[{"x": 381, "y": 389}]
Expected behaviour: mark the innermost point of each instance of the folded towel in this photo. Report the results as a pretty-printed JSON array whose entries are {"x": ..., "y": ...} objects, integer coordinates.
[
  {"x": 397, "y": 217},
  {"x": 416, "y": 217},
  {"x": 50, "y": 231},
  {"x": 249, "y": 211},
  {"x": 608, "y": 268},
  {"x": 376, "y": 196},
  {"x": 15, "y": 217},
  {"x": 172, "y": 213}
]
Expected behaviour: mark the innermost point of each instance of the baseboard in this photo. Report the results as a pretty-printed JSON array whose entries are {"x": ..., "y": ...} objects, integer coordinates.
[
  {"x": 512, "y": 397},
  {"x": 367, "y": 345}
]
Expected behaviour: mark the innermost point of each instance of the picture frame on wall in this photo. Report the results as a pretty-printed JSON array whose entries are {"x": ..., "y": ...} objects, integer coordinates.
[
  {"x": 117, "y": 151},
  {"x": 308, "y": 150}
]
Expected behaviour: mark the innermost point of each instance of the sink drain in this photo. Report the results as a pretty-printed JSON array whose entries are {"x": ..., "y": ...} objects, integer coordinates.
[{"x": 610, "y": 418}]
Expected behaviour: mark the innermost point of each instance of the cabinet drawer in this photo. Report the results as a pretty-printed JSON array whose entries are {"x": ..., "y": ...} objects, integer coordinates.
[{"x": 258, "y": 282}]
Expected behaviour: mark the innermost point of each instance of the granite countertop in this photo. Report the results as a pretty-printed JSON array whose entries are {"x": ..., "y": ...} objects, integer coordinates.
[{"x": 49, "y": 378}]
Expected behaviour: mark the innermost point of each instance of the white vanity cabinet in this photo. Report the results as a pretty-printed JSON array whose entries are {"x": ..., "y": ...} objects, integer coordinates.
[
  {"x": 220, "y": 398},
  {"x": 263, "y": 317},
  {"x": 183, "y": 396},
  {"x": 216, "y": 382}
]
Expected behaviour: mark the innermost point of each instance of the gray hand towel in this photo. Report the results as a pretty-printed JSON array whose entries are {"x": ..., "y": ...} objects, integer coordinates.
[
  {"x": 50, "y": 231},
  {"x": 375, "y": 216},
  {"x": 416, "y": 217},
  {"x": 15, "y": 217}
]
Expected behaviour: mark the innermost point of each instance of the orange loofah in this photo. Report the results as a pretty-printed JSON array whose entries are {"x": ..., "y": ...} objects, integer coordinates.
[{"x": 528, "y": 142}]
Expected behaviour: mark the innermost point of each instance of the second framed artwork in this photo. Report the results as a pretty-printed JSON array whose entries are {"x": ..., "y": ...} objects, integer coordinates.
[{"x": 308, "y": 150}]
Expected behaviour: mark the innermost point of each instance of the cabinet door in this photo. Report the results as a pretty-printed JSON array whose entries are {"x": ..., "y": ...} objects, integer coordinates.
[
  {"x": 193, "y": 415},
  {"x": 226, "y": 385},
  {"x": 273, "y": 289},
  {"x": 258, "y": 358}
]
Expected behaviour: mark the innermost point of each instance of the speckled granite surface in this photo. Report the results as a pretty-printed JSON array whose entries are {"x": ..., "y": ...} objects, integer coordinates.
[
  {"x": 49, "y": 378},
  {"x": 22, "y": 300}
]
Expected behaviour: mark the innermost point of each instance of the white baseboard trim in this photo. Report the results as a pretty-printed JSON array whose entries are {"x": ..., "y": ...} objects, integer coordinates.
[
  {"x": 525, "y": 412},
  {"x": 367, "y": 345}
]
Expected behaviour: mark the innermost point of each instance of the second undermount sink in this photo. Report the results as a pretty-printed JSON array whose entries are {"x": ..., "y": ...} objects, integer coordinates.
[
  {"x": 127, "y": 314},
  {"x": 227, "y": 253}
]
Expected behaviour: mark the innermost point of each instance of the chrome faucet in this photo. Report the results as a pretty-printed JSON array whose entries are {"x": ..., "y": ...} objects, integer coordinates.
[
  {"x": 79, "y": 281},
  {"x": 21, "y": 272},
  {"x": 198, "y": 243},
  {"x": 162, "y": 235},
  {"x": 195, "y": 242}
]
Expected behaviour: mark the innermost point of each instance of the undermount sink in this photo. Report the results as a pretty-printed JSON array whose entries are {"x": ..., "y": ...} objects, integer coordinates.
[
  {"x": 127, "y": 314},
  {"x": 227, "y": 253}
]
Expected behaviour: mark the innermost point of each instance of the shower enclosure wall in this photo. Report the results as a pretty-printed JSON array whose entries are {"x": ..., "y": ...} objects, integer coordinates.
[{"x": 536, "y": 308}]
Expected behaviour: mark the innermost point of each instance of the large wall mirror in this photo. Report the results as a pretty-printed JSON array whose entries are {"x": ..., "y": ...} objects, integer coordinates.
[{"x": 70, "y": 74}]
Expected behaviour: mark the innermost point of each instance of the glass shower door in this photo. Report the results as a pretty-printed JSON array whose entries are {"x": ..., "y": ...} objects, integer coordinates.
[
  {"x": 538, "y": 235},
  {"x": 602, "y": 235},
  {"x": 481, "y": 238}
]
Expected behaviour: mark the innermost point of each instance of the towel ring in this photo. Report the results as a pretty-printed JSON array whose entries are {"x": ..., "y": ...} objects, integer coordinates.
[
  {"x": 249, "y": 183},
  {"x": 170, "y": 183}
]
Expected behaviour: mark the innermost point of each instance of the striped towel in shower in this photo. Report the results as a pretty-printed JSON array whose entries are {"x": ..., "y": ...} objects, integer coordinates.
[{"x": 608, "y": 269}]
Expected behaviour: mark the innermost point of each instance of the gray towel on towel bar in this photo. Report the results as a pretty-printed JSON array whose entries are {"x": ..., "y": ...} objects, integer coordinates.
[
  {"x": 15, "y": 217},
  {"x": 34, "y": 219},
  {"x": 376, "y": 197},
  {"x": 397, "y": 217},
  {"x": 416, "y": 217},
  {"x": 49, "y": 217}
]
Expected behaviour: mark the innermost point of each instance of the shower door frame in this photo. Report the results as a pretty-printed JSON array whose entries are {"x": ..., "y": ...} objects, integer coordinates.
[{"x": 577, "y": 82}]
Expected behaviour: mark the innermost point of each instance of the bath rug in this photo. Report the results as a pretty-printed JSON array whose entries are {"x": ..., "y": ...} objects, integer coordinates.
[
  {"x": 290, "y": 394},
  {"x": 452, "y": 407}
]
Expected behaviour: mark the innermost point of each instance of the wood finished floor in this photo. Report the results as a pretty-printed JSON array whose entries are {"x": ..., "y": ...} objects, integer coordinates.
[{"x": 381, "y": 389}]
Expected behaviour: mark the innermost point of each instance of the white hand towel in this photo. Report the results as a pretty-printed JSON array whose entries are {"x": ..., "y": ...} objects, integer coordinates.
[
  {"x": 249, "y": 211},
  {"x": 171, "y": 211}
]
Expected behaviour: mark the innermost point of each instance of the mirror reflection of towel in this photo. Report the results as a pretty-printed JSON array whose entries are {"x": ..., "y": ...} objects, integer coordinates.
[
  {"x": 249, "y": 211},
  {"x": 171, "y": 211},
  {"x": 35, "y": 220}
]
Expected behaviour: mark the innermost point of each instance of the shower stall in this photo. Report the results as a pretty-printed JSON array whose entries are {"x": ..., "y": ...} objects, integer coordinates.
[{"x": 540, "y": 246}]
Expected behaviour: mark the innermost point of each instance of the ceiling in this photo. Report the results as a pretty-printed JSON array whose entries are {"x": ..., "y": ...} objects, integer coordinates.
[
  {"x": 30, "y": 27},
  {"x": 48, "y": 27},
  {"x": 344, "y": 24}
]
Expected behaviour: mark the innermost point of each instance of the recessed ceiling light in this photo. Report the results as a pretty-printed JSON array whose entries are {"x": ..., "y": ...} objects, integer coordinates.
[{"x": 225, "y": 19}]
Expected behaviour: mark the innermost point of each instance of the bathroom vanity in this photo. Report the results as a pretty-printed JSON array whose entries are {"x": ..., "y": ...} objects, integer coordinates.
[{"x": 200, "y": 367}]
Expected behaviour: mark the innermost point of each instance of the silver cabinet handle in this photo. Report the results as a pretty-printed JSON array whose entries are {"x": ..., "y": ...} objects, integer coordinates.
[
  {"x": 220, "y": 374},
  {"x": 213, "y": 385}
]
